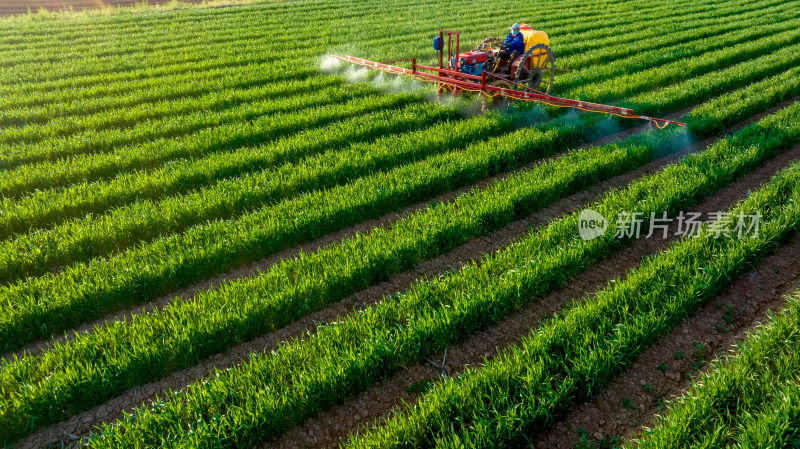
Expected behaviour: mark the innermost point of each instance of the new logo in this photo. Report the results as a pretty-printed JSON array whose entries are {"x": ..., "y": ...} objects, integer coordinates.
[{"x": 591, "y": 224}]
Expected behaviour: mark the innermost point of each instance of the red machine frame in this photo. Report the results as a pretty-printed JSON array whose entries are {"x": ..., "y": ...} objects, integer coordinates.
[{"x": 459, "y": 81}]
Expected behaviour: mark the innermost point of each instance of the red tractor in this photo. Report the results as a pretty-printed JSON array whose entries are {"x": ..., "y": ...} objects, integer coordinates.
[
  {"x": 534, "y": 69},
  {"x": 493, "y": 72}
]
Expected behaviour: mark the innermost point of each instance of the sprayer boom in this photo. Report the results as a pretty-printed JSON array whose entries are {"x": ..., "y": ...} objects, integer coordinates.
[{"x": 526, "y": 77}]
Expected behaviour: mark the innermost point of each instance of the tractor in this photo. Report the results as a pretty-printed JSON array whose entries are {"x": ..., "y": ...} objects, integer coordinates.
[
  {"x": 534, "y": 69},
  {"x": 491, "y": 71}
]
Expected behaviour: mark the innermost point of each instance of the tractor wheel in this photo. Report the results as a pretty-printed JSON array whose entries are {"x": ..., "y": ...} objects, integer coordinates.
[
  {"x": 491, "y": 63},
  {"x": 541, "y": 73},
  {"x": 501, "y": 83},
  {"x": 500, "y": 101}
]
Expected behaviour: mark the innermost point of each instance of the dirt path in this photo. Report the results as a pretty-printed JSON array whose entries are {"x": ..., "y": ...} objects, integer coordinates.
[
  {"x": 252, "y": 269},
  {"x": 327, "y": 428},
  {"x": 82, "y": 424},
  {"x": 665, "y": 370}
]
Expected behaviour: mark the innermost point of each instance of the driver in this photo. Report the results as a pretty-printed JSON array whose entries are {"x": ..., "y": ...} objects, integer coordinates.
[
  {"x": 513, "y": 46},
  {"x": 514, "y": 41}
]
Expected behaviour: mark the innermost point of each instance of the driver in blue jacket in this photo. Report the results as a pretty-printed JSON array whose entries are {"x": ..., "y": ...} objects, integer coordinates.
[
  {"x": 514, "y": 41},
  {"x": 513, "y": 46}
]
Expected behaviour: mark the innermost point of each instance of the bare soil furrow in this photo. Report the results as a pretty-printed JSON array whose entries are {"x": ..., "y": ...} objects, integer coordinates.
[
  {"x": 253, "y": 268},
  {"x": 665, "y": 370},
  {"x": 370, "y": 407},
  {"x": 82, "y": 424}
]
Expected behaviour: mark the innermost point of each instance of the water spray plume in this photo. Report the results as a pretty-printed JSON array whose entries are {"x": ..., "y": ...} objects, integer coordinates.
[
  {"x": 399, "y": 83},
  {"x": 355, "y": 75},
  {"x": 330, "y": 64},
  {"x": 379, "y": 81},
  {"x": 685, "y": 137},
  {"x": 533, "y": 115},
  {"x": 570, "y": 118},
  {"x": 605, "y": 127},
  {"x": 471, "y": 107}
]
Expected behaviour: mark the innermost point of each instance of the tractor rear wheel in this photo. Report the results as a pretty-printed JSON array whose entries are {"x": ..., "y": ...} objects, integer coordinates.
[{"x": 540, "y": 73}]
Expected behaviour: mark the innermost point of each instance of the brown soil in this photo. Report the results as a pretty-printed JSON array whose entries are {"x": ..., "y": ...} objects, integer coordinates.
[
  {"x": 264, "y": 264},
  {"x": 253, "y": 268},
  {"x": 83, "y": 423},
  {"x": 16, "y": 7},
  {"x": 665, "y": 370},
  {"x": 371, "y": 406}
]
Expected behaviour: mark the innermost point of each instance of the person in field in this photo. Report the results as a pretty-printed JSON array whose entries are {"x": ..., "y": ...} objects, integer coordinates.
[
  {"x": 513, "y": 46},
  {"x": 514, "y": 41}
]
